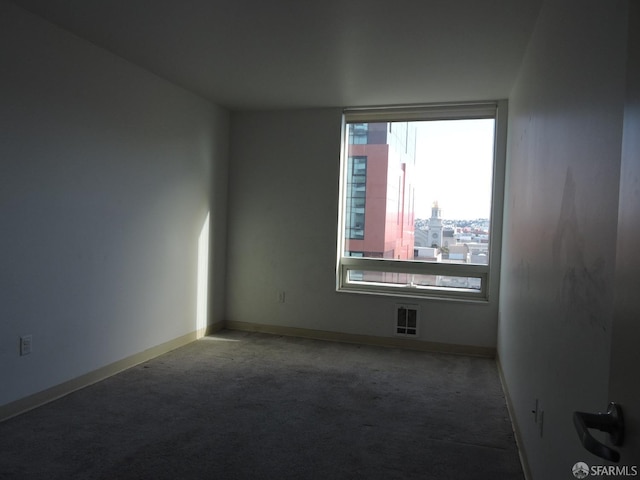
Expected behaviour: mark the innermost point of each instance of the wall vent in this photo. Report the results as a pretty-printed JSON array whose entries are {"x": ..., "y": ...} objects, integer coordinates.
[{"x": 407, "y": 320}]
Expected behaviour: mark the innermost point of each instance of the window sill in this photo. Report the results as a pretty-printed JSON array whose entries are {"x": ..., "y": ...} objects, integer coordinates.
[
  {"x": 437, "y": 294},
  {"x": 402, "y": 284}
]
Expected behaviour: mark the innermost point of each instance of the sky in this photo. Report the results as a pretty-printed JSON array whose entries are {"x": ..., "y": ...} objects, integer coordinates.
[{"x": 454, "y": 160}]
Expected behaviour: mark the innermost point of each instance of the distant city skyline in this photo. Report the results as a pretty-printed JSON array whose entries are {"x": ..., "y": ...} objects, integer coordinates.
[{"x": 454, "y": 167}]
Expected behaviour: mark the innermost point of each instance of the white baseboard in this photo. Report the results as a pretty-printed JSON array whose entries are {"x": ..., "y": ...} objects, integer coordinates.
[
  {"x": 37, "y": 399},
  {"x": 407, "y": 343},
  {"x": 514, "y": 422},
  {"x": 32, "y": 401}
]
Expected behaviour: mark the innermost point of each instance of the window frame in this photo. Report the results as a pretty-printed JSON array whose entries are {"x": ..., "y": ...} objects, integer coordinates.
[{"x": 488, "y": 274}]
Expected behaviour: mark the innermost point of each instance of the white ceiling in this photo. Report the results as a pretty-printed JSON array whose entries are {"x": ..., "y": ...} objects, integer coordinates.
[{"x": 248, "y": 54}]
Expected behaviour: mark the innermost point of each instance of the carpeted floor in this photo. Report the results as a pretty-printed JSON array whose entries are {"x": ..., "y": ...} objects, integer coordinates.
[{"x": 241, "y": 405}]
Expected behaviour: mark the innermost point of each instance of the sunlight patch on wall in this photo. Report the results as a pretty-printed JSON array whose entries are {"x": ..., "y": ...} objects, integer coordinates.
[{"x": 202, "y": 296}]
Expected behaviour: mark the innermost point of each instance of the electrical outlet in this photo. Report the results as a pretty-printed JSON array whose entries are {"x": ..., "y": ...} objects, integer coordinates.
[
  {"x": 538, "y": 416},
  {"x": 25, "y": 344}
]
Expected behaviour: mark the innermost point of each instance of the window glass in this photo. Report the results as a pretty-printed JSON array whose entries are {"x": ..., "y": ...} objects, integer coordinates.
[{"x": 423, "y": 195}]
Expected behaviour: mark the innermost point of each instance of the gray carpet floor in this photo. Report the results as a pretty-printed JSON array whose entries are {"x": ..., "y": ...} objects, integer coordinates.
[{"x": 239, "y": 405}]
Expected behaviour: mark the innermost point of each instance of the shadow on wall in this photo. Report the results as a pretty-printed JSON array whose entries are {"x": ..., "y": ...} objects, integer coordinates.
[{"x": 581, "y": 295}]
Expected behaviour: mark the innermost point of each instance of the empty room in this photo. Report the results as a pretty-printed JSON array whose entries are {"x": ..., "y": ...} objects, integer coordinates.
[{"x": 338, "y": 239}]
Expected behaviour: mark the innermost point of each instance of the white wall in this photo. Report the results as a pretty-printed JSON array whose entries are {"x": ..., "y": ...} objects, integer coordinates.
[
  {"x": 283, "y": 208},
  {"x": 107, "y": 173},
  {"x": 561, "y": 204}
]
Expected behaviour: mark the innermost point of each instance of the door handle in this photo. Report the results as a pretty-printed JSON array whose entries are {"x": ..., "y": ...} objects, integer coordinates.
[{"x": 611, "y": 422}]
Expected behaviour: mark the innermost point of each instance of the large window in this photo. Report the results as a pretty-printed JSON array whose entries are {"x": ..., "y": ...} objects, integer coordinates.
[{"x": 428, "y": 182}]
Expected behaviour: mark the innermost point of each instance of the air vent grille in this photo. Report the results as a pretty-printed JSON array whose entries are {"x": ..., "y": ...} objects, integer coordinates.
[{"x": 407, "y": 320}]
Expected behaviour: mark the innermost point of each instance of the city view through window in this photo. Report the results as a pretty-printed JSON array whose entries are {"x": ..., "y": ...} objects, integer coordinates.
[{"x": 419, "y": 191}]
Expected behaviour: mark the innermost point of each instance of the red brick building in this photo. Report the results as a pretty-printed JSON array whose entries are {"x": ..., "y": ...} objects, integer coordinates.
[{"x": 380, "y": 190}]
